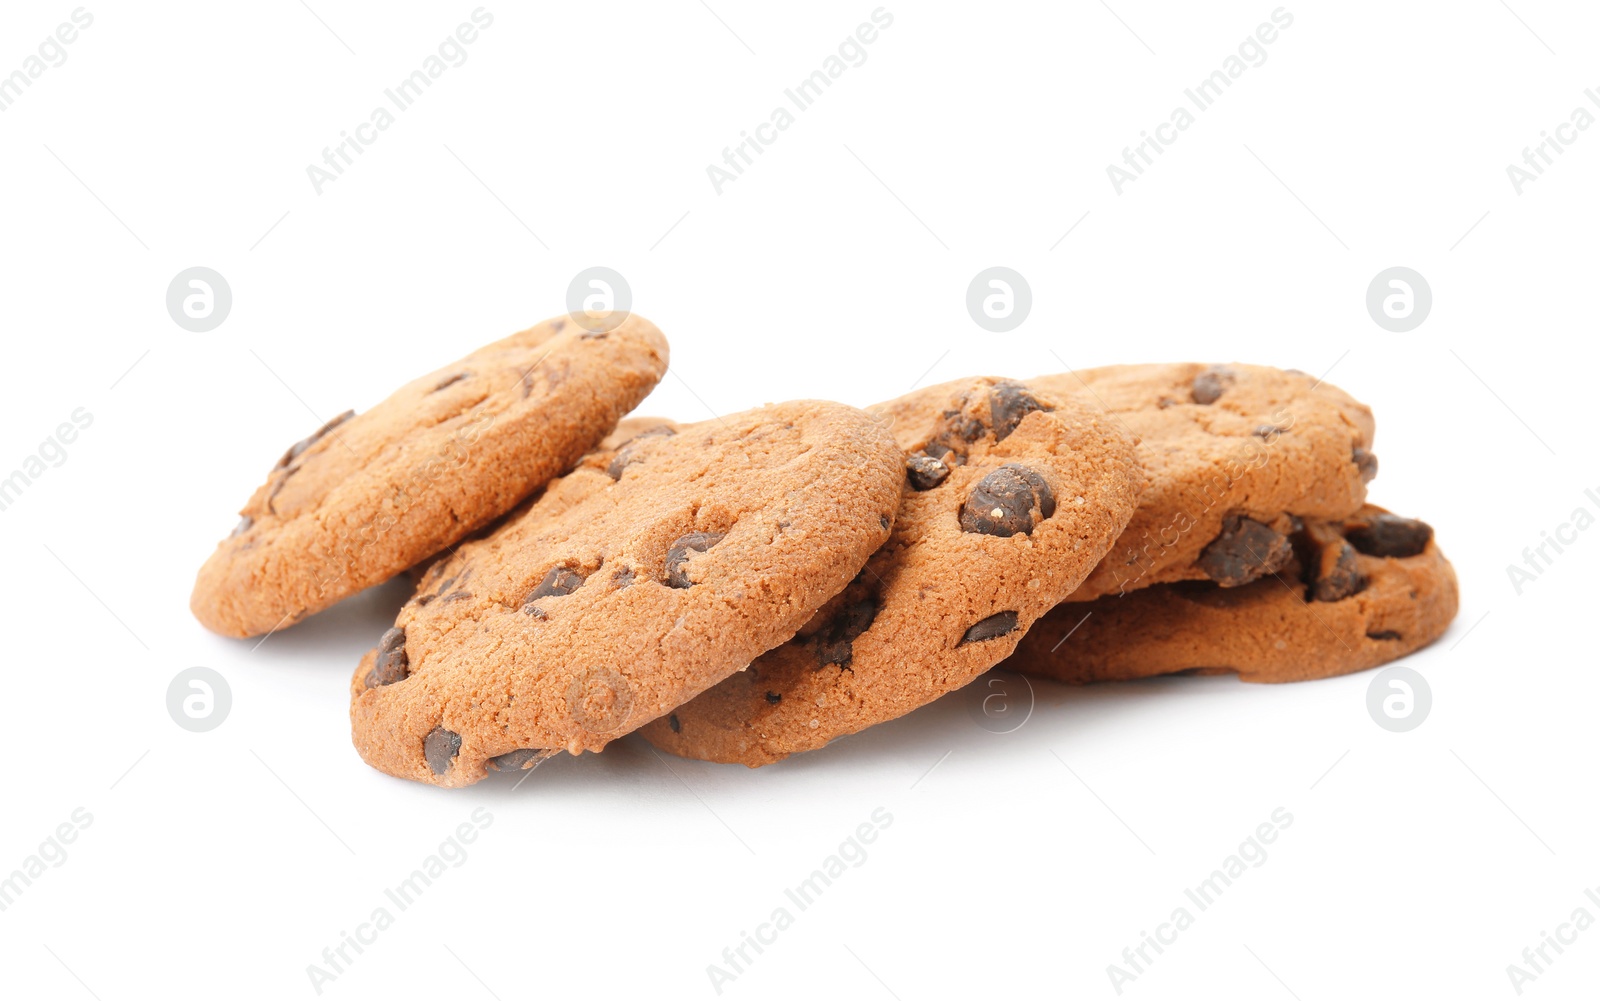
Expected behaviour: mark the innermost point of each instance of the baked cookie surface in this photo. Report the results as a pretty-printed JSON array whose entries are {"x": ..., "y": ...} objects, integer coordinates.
[
  {"x": 1233, "y": 453},
  {"x": 367, "y": 496},
  {"x": 1011, "y": 498},
  {"x": 643, "y": 577},
  {"x": 1356, "y": 593}
]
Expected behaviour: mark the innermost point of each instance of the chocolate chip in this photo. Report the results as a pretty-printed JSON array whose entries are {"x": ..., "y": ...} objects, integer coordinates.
[
  {"x": 1366, "y": 463},
  {"x": 773, "y": 698},
  {"x": 627, "y": 452},
  {"x": 623, "y": 577},
  {"x": 450, "y": 381},
  {"x": 1209, "y": 385},
  {"x": 440, "y": 747},
  {"x": 1009, "y": 403},
  {"x": 243, "y": 526},
  {"x": 1384, "y": 634},
  {"x": 557, "y": 325},
  {"x": 559, "y": 581},
  {"x": 1004, "y": 502},
  {"x": 672, "y": 721},
  {"x": 593, "y": 335},
  {"x": 1389, "y": 535},
  {"x": 1337, "y": 575},
  {"x": 515, "y": 761},
  {"x": 1244, "y": 551},
  {"x": 955, "y": 433},
  {"x": 884, "y": 522},
  {"x": 305, "y": 443},
  {"x": 455, "y": 596},
  {"x": 392, "y": 664},
  {"x": 678, "y": 555},
  {"x": 997, "y": 624},
  {"x": 1270, "y": 432},
  {"x": 968, "y": 429},
  {"x": 837, "y": 645},
  {"x": 925, "y": 471}
]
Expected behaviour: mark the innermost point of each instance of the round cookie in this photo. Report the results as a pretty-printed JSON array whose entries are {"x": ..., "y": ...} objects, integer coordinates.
[
  {"x": 369, "y": 495},
  {"x": 1233, "y": 453},
  {"x": 1356, "y": 594},
  {"x": 638, "y": 580},
  {"x": 1012, "y": 496}
]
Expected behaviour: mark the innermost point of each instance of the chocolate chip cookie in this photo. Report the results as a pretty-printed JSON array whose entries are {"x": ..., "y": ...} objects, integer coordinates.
[
  {"x": 1353, "y": 594},
  {"x": 366, "y": 496},
  {"x": 1233, "y": 453},
  {"x": 1012, "y": 494},
  {"x": 632, "y": 584}
]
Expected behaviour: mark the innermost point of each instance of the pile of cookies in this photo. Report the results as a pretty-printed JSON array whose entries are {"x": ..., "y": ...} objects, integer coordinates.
[{"x": 758, "y": 584}]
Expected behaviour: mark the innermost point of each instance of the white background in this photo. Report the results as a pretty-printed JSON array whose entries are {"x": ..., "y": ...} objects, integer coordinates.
[{"x": 1375, "y": 135}]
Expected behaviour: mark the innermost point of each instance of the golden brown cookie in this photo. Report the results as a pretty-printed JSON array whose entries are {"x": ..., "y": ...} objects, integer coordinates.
[
  {"x": 637, "y": 581},
  {"x": 1012, "y": 496},
  {"x": 1355, "y": 594},
  {"x": 1233, "y": 453},
  {"x": 369, "y": 495}
]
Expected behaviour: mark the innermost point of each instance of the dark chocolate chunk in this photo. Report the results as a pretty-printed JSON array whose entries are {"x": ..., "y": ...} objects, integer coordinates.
[
  {"x": 1390, "y": 535},
  {"x": 925, "y": 471},
  {"x": 450, "y": 381},
  {"x": 959, "y": 425},
  {"x": 559, "y": 581},
  {"x": 1009, "y": 403},
  {"x": 316, "y": 436},
  {"x": 836, "y": 646},
  {"x": 622, "y": 578},
  {"x": 1384, "y": 634},
  {"x": 455, "y": 596},
  {"x": 627, "y": 452},
  {"x": 392, "y": 664},
  {"x": 1244, "y": 551},
  {"x": 1209, "y": 385},
  {"x": 515, "y": 761},
  {"x": 1366, "y": 462},
  {"x": 1006, "y": 501},
  {"x": 678, "y": 555},
  {"x": 1270, "y": 432},
  {"x": 672, "y": 721},
  {"x": 440, "y": 747},
  {"x": 956, "y": 431},
  {"x": 1338, "y": 576},
  {"x": 773, "y": 698},
  {"x": 997, "y": 624}
]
